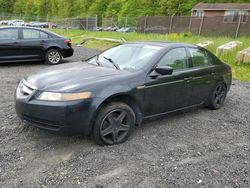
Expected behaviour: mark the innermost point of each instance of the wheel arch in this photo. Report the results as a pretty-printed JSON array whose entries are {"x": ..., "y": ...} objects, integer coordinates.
[
  {"x": 54, "y": 47},
  {"x": 125, "y": 98}
]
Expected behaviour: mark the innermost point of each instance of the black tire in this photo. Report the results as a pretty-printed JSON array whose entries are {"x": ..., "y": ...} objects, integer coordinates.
[
  {"x": 53, "y": 57},
  {"x": 218, "y": 97},
  {"x": 114, "y": 124}
]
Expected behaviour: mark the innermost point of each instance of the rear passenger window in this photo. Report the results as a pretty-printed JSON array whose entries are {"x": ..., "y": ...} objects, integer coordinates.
[
  {"x": 200, "y": 58},
  {"x": 175, "y": 58},
  {"x": 9, "y": 34},
  {"x": 43, "y": 35},
  {"x": 31, "y": 34}
]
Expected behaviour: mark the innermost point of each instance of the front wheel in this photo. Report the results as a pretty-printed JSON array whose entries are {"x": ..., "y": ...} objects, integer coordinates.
[
  {"x": 53, "y": 57},
  {"x": 218, "y": 97},
  {"x": 114, "y": 124}
]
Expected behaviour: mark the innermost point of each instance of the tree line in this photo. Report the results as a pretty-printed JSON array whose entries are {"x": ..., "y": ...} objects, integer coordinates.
[{"x": 109, "y": 8}]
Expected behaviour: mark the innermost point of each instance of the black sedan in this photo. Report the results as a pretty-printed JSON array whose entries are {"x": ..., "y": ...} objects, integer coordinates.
[
  {"x": 117, "y": 89},
  {"x": 22, "y": 44}
]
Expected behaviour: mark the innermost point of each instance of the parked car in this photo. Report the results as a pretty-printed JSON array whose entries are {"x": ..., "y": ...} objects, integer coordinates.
[
  {"x": 16, "y": 22},
  {"x": 38, "y": 24},
  {"x": 98, "y": 29},
  {"x": 125, "y": 30},
  {"x": 107, "y": 28},
  {"x": 119, "y": 88},
  {"x": 54, "y": 26},
  {"x": 21, "y": 44},
  {"x": 114, "y": 28},
  {"x": 4, "y": 22}
]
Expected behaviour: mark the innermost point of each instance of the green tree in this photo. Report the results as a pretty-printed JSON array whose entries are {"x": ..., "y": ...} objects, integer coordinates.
[
  {"x": 42, "y": 9},
  {"x": 98, "y": 7}
]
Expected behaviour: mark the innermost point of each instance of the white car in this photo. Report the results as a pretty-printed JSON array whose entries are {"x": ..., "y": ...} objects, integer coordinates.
[
  {"x": 4, "y": 22},
  {"x": 16, "y": 22}
]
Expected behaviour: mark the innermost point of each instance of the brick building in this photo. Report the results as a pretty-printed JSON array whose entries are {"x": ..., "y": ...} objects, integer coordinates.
[
  {"x": 230, "y": 12},
  {"x": 208, "y": 19},
  {"x": 228, "y": 19}
]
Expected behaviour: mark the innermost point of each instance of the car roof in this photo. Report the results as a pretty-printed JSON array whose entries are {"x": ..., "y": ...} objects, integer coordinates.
[
  {"x": 26, "y": 27},
  {"x": 34, "y": 28},
  {"x": 20, "y": 27},
  {"x": 163, "y": 44}
]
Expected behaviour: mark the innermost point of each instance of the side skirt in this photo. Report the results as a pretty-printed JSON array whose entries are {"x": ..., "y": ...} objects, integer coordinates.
[{"x": 173, "y": 111}]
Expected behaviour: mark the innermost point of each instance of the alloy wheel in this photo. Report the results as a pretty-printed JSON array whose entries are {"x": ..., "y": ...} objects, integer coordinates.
[
  {"x": 220, "y": 94},
  {"x": 54, "y": 57},
  {"x": 115, "y": 126}
]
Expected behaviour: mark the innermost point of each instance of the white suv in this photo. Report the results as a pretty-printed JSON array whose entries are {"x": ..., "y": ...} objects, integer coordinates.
[{"x": 16, "y": 22}]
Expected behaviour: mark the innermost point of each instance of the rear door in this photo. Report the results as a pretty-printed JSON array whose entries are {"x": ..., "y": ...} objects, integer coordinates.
[
  {"x": 33, "y": 44},
  {"x": 203, "y": 74},
  {"x": 9, "y": 45}
]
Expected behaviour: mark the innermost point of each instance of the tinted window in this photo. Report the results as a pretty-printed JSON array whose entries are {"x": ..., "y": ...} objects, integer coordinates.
[
  {"x": 8, "y": 34},
  {"x": 200, "y": 58},
  {"x": 31, "y": 34},
  {"x": 43, "y": 35},
  {"x": 176, "y": 58}
]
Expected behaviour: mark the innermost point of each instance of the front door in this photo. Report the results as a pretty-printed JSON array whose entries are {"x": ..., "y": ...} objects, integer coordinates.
[
  {"x": 9, "y": 45},
  {"x": 164, "y": 93}
]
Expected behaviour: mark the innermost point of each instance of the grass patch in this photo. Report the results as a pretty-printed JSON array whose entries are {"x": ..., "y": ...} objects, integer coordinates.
[{"x": 240, "y": 71}]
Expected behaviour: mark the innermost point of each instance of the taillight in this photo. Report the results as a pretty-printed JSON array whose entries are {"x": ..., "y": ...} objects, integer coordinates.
[{"x": 68, "y": 41}]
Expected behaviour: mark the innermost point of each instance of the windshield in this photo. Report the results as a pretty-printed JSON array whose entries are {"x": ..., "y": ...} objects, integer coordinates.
[{"x": 126, "y": 57}]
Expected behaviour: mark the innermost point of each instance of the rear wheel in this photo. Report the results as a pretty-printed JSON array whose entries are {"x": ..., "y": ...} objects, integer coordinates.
[
  {"x": 53, "y": 57},
  {"x": 218, "y": 96},
  {"x": 114, "y": 123}
]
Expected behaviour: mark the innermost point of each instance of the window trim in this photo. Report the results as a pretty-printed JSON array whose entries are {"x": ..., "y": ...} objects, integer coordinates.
[
  {"x": 18, "y": 34},
  {"x": 176, "y": 70},
  {"x": 22, "y": 37},
  {"x": 30, "y": 38},
  {"x": 191, "y": 59},
  {"x": 44, "y": 33},
  {"x": 199, "y": 13},
  {"x": 240, "y": 13}
]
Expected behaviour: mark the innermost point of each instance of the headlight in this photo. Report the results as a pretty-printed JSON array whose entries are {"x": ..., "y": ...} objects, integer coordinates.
[{"x": 51, "y": 96}]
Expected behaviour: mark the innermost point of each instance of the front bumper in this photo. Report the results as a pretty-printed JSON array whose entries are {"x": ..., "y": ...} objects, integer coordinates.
[{"x": 64, "y": 117}]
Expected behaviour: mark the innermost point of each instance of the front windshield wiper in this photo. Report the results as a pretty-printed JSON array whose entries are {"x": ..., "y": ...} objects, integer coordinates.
[{"x": 113, "y": 63}]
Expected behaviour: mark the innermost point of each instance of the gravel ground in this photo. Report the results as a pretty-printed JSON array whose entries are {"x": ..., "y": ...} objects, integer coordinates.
[{"x": 202, "y": 148}]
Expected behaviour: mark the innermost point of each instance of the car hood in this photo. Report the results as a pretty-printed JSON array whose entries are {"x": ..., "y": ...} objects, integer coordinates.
[{"x": 72, "y": 77}]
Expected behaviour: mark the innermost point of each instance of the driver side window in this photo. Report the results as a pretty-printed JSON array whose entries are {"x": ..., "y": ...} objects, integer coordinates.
[{"x": 175, "y": 58}]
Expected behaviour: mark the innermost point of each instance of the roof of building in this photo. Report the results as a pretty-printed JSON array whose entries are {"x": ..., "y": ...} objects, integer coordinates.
[{"x": 222, "y": 6}]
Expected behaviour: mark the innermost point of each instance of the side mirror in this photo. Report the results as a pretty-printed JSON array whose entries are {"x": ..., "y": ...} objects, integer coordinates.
[{"x": 164, "y": 70}]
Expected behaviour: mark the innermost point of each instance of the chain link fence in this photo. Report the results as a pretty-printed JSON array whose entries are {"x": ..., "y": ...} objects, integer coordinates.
[
  {"x": 86, "y": 23},
  {"x": 119, "y": 22},
  {"x": 208, "y": 26}
]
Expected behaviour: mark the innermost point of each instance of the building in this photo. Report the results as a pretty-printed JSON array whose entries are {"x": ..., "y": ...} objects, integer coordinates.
[
  {"x": 208, "y": 19},
  {"x": 229, "y": 12}
]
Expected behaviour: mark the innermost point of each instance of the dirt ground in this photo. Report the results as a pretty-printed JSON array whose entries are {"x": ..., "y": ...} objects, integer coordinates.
[{"x": 201, "y": 148}]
